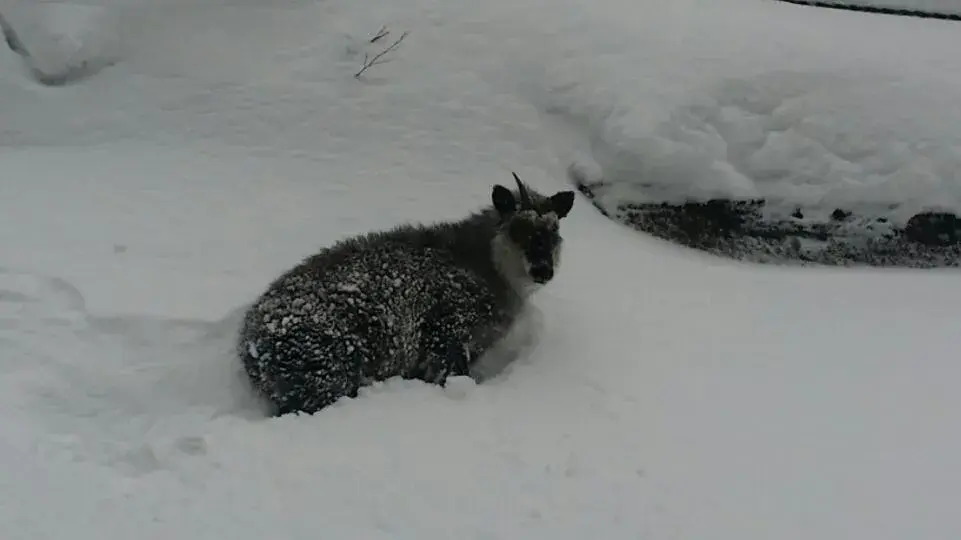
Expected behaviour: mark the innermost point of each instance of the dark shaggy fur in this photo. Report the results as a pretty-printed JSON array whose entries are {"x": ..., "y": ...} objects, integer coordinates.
[{"x": 420, "y": 302}]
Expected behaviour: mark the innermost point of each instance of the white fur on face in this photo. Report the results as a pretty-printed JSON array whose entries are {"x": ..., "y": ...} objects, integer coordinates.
[
  {"x": 511, "y": 262},
  {"x": 556, "y": 255}
]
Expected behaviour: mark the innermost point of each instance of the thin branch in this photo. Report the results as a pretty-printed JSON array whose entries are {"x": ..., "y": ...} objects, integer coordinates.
[
  {"x": 382, "y": 33},
  {"x": 377, "y": 59}
]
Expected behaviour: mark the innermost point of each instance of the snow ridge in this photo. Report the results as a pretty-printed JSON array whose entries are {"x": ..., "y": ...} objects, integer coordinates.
[{"x": 760, "y": 169}]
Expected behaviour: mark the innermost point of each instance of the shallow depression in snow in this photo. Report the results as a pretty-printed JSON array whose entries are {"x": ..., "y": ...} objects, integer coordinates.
[{"x": 111, "y": 385}]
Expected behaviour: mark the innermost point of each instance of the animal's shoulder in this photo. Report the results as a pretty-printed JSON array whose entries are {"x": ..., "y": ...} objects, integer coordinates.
[{"x": 421, "y": 258}]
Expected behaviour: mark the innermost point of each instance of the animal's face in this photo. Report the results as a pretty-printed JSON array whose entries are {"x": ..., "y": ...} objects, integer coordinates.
[{"x": 529, "y": 240}]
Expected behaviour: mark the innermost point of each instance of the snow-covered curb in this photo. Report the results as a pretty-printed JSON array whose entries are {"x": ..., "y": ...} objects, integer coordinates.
[
  {"x": 852, "y": 144},
  {"x": 739, "y": 229}
]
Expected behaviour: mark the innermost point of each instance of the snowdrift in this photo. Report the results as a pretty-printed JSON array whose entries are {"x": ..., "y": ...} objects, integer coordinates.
[
  {"x": 665, "y": 393},
  {"x": 803, "y": 135},
  {"x": 60, "y": 43}
]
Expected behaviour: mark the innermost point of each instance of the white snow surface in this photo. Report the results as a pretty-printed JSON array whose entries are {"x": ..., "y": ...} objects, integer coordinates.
[{"x": 664, "y": 394}]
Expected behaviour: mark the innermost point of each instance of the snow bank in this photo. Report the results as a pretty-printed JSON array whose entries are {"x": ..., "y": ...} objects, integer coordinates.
[
  {"x": 61, "y": 43},
  {"x": 804, "y": 109},
  {"x": 799, "y": 106}
]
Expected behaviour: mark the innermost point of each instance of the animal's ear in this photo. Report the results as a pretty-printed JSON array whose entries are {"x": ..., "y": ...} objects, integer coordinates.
[
  {"x": 562, "y": 202},
  {"x": 503, "y": 200}
]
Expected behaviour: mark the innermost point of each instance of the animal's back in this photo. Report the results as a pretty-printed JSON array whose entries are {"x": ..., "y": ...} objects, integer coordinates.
[{"x": 369, "y": 308}]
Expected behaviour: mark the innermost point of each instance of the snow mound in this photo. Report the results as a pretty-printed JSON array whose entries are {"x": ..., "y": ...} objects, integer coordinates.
[
  {"x": 727, "y": 120},
  {"x": 61, "y": 43},
  {"x": 809, "y": 140}
]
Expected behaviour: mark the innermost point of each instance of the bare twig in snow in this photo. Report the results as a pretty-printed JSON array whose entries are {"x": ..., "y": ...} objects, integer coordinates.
[
  {"x": 382, "y": 33},
  {"x": 378, "y": 58}
]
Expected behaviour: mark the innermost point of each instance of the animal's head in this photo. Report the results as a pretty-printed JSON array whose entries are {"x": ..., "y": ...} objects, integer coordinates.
[{"x": 527, "y": 246}]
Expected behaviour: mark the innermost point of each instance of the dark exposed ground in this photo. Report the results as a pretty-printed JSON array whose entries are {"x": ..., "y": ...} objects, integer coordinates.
[{"x": 737, "y": 229}]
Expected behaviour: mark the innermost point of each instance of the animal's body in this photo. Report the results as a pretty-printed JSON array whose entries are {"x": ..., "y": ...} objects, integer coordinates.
[{"x": 418, "y": 301}]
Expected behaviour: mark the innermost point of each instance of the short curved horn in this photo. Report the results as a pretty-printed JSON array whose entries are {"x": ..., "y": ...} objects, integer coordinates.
[{"x": 525, "y": 196}]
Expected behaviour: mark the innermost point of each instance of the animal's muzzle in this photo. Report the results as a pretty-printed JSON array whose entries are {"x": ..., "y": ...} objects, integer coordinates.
[{"x": 542, "y": 273}]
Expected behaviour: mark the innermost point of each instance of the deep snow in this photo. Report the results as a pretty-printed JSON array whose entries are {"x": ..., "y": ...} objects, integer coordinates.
[
  {"x": 810, "y": 110},
  {"x": 666, "y": 394}
]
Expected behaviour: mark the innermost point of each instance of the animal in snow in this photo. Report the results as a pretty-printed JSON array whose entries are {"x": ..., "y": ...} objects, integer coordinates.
[{"x": 417, "y": 301}]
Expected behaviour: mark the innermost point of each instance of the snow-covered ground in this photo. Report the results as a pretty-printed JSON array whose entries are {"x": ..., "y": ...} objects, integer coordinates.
[{"x": 668, "y": 394}]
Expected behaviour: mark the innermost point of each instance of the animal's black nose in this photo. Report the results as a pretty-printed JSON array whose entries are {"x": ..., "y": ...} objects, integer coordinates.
[{"x": 542, "y": 273}]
